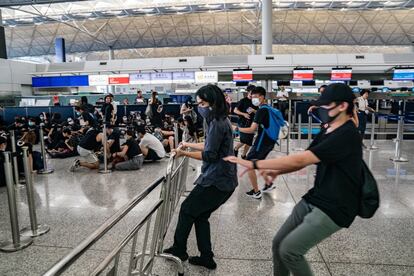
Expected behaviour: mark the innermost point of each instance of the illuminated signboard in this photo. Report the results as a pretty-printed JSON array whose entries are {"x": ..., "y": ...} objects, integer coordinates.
[
  {"x": 341, "y": 74},
  {"x": 404, "y": 74},
  {"x": 60, "y": 81},
  {"x": 161, "y": 77},
  {"x": 140, "y": 78},
  {"x": 183, "y": 77},
  {"x": 95, "y": 80},
  {"x": 303, "y": 74},
  {"x": 242, "y": 75},
  {"x": 118, "y": 79},
  {"x": 206, "y": 77}
]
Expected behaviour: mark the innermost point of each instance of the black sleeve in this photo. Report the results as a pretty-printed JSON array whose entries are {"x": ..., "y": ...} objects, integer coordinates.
[
  {"x": 260, "y": 117},
  {"x": 240, "y": 106}
]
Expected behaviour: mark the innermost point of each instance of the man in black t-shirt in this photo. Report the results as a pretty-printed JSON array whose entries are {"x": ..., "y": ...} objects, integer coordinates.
[
  {"x": 246, "y": 110},
  {"x": 263, "y": 144},
  {"x": 114, "y": 135},
  {"x": 131, "y": 155},
  {"x": 333, "y": 202}
]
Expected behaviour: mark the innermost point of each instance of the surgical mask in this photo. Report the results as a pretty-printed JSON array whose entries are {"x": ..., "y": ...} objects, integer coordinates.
[
  {"x": 256, "y": 101},
  {"x": 31, "y": 123},
  {"x": 41, "y": 118},
  {"x": 204, "y": 111},
  {"x": 78, "y": 113},
  {"x": 71, "y": 122},
  {"x": 323, "y": 114}
]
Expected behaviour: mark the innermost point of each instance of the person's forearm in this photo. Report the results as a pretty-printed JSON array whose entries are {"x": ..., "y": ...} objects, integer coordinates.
[
  {"x": 236, "y": 111},
  {"x": 196, "y": 146},
  {"x": 247, "y": 130},
  {"x": 193, "y": 154},
  {"x": 285, "y": 164}
]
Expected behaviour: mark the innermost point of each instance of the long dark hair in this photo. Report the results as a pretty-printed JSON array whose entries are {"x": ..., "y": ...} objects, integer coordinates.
[
  {"x": 215, "y": 97},
  {"x": 191, "y": 127}
]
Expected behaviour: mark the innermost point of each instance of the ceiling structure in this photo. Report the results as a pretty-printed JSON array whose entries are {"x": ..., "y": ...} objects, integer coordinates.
[{"x": 205, "y": 27}]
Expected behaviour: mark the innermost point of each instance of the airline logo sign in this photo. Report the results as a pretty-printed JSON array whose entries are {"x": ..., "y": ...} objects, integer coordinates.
[
  {"x": 206, "y": 77},
  {"x": 341, "y": 74},
  {"x": 140, "y": 78},
  {"x": 119, "y": 79},
  {"x": 303, "y": 74},
  {"x": 242, "y": 75},
  {"x": 95, "y": 80}
]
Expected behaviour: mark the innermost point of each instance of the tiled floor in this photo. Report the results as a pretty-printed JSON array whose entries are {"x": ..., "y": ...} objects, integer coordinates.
[{"x": 75, "y": 204}]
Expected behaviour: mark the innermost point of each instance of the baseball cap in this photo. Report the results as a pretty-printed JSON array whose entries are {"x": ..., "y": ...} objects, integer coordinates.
[{"x": 335, "y": 92}]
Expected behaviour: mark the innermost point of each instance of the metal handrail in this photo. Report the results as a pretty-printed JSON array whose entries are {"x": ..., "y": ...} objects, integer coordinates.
[{"x": 77, "y": 252}]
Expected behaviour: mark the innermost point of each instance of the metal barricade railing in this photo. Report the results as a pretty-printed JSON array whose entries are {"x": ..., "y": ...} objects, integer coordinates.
[
  {"x": 141, "y": 262},
  {"x": 45, "y": 169},
  {"x": 105, "y": 170}
]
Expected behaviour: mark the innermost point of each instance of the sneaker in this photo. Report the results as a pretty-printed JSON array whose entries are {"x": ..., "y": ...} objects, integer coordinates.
[
  {"x": 268, "y": 188},
  {"x": 253, "y": 194},
  {"x": 75, "y": 165},
  {"x": 205, "y": 262},
  {"x": 173, "y": 251}
]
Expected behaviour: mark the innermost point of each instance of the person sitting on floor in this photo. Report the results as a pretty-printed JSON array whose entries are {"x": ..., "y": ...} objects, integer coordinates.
[
  {"x": 130, "y": 157},
  {"x": 151, "y": 147},
  {"x": 68, "y": 147}
]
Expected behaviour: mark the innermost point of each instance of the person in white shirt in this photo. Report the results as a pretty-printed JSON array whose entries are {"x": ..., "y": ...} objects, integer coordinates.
[
  {"x": 282, "y": 104},
  {"x": 363, "y": 111},
  {"x": 151, "y": 147}
]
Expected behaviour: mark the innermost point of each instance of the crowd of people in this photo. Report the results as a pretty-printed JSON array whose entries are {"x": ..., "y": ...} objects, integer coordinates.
[{"x": 331, "y": 205}]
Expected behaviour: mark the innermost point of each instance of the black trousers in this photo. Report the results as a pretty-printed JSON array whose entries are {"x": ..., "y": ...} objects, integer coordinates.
[
  {"x": 196, "y": 209},
  {"x": 362, "y": 117}
]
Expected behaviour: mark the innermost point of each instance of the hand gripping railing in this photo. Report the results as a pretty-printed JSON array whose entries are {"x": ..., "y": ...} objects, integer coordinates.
[{"x": 141, "y": 261}]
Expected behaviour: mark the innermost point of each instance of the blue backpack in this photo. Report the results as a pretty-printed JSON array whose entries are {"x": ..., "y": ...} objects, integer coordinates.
[{"x": 276, "y": 122}]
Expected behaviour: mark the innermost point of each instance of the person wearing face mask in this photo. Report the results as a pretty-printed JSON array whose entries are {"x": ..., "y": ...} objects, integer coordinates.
[
  {"x": 363, "y": 111},
  {"x": 130, "y": 157},
  {"x": 261, "y": 146},
  {"x": 334, "y": 201},
  {"x": 246, "y": 110},
  {"x": 216, "y": 183}
]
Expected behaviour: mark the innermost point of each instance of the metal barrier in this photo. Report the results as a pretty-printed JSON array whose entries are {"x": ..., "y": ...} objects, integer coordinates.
[
  {"x": 35, "y": 229},
  {"x": 372, "y": 145},
  {"x": 105, "y": 151},
  {"x": 45, "y": 169},
  {"x": 17, "y": 242},
  {"x": 17, "y": 180},
  {"x": 141, "y": 261},
  {"x": 299, "y": 148},
  {"x": 398, "y": 141},
  {"x": 309, "y": 129}
]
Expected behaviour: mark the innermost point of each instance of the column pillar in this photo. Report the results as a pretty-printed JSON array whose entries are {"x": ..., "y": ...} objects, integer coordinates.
[
  {"x": 267, "y": 34},
  {"x": 111, "y": 56},
  {"x": 254, "y": 47}
]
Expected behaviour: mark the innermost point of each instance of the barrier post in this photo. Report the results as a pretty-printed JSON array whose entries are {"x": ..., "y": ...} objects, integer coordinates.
[
  {"x": 309, "y": 129},
  {"x": 299, "y": 148},
  {"x": 105, "y": 170},
  {"x": 290, "y": 123},
  {"x": 17, "y": 242},
  {"x": 372, "y": 142},
  {"x": 45, "y": 169},
  {"x": 35, "y": 229},
  {"x": 14, "y": 158},
  {"x": 176, "y": 138},
  {"x": 398, "y": 141}
]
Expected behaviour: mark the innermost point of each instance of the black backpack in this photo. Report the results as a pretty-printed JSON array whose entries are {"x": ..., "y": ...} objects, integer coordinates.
[{"x": 370, "y": 200}]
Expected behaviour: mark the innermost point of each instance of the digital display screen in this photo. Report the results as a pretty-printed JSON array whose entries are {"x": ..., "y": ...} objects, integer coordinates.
[
  {"x": 242, "y": 75},
  {"x": 60, "y": 81},
  {"x": 183, "y": 77},
  {"x": 140, "y": 78},
  {"x": 303, "y": 74},
  {"x": 341, "y": 74},
  {"x": 403, "y": 74}
]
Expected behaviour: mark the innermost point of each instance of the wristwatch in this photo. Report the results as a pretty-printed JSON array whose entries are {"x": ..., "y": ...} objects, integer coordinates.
[{"x": 254, "y": 161}]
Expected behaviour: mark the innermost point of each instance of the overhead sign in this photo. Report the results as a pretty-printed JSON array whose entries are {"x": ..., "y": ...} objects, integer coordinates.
[
  {"x": 161, "y": 77},
  {"x": 60, "y": 81},
  {"x": 303, "y": 74},
  {"x": 242, "y": 75},
  {"x": 404, "y": 74},
  {"x": 118, "y": 79},
  {"x": 95, "y": 80},
  {"x": 183, "y": 77},
  {"x": 341, "y": 74},
  {"x": 206, "y": 77},
  {"x": 140, "y": 78}
]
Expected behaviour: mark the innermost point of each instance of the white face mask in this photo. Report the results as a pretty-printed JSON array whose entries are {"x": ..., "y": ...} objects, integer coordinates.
[{"x": 256, "y": 101}]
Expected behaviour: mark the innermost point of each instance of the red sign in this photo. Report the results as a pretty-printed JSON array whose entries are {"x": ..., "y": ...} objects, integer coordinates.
[
  {"x": 303, "y": 74},
  {"x": 341, "y": 74},
  {"x": 245, "y": 75},
  {"x": 119, "y": 79}
]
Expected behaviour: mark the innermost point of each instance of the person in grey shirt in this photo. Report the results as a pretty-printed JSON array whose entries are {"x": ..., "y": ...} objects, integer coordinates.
[{"x": 216, "y": 183}]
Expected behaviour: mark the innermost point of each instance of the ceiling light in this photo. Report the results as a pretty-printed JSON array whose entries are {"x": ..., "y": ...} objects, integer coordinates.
[
  {"x": 209, "y": 6},
  {"x": 144, "y": 10},
  {"x": 284, "y": 4},
  {"x": 12, "y": 25},
  {"x": 355, "y": 4},
  {"x": 39, "y": 23},
  {"x": 319, "y": 4},
  {"x": 392, "y": 3},
  {"x": 177, "y": 8},
  {"x": 246, "y": 5},
  {"x": 25, "y": 20}
]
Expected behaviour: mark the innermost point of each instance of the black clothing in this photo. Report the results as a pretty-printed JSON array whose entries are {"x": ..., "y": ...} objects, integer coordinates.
[
  {"x": 88, "y": 141},
  {"x": 243, "y": 105},
  {"x": 2, "y": 172},
  {"x": 196, "y": 209},
  {"x": 260, "y": 154},
  {"x": 218, "y": 144},
  {"x": 115, "y": 135},
  {"x": 339, "y": 174},
  {"x": 133, "y": 148},
  {"x": 107, "y": 109},
  {"x": 152, "y": 155},
  {"x": 246, "y": 138},
  {"x": 362, "y": 119},
  {"x": 262, "y": 119},
  {"x": 156, "y": 119}
]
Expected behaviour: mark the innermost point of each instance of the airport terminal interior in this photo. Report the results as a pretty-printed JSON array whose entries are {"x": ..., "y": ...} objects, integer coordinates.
[{"x": 207, "y": 137}]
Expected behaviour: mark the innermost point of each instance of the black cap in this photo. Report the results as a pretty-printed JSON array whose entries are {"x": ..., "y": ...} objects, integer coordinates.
[{"x": 335, "y": 92}]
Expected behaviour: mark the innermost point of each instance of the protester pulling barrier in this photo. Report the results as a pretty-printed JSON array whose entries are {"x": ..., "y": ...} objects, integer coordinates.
[
  {"x": 35, "y": 229},
  {"x": 105, "y": 151},
  {"x": 17, "y": 181},
  {"x": 372, "y": 145},
  {"x": 45, "y": 169},
  {"x": 299, "y": 148},
  {"x": 141, "y": 259},
  {"x": 17, "y": 242},
  {"x": 400, "y": 137}
]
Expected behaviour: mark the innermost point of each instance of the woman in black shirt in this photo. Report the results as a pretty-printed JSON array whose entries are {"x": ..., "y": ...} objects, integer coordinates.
[
  {"x": 130, "y": 157},
  {"x": 216, "y": 183},
  {"x": 107, "y": 109},
  {"x": 156, "y": 110}
]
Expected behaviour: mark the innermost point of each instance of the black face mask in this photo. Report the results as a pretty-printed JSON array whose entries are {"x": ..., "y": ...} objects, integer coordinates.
[{"x": 323, "y": 114}]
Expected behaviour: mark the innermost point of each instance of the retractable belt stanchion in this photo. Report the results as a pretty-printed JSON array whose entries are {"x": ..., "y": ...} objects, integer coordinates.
[
  {"x": 400, "y": 136},
  {"x": 35, "y": 229},
  {"x": 45, "y": 169},
  {"x": 14, "y": 158},
  {"x": 104, "y": 143},
  {"x": 17, "y": 242},
  {"x": 372, "y": 145},
  {"x": 299, "y": 148},
  {"x": 309, "y": 129},
  {"x": 176, "y": 140}
]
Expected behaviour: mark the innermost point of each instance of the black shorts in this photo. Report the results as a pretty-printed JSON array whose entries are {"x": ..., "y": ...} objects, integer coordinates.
[
  {"x": 152, "y": 155},
  {"x": 246, "y": 138},
  {"x": 261, "y": 154}
]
